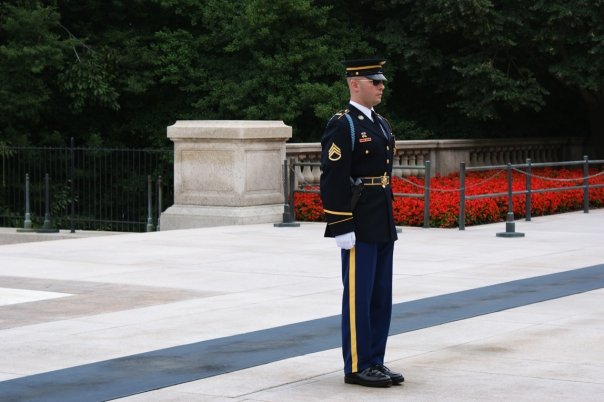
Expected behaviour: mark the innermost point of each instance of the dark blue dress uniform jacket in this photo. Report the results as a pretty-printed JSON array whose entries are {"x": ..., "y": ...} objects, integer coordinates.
[{"x": 372, "y": 156}]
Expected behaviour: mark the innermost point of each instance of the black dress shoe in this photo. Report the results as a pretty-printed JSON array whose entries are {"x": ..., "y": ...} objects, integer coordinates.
[
  {"x": 396, "y": 378},
  {"x": 370, "y": 377}
]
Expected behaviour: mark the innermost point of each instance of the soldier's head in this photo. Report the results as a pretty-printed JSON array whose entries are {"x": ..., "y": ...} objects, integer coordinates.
[{"x": 365, "y": 80}]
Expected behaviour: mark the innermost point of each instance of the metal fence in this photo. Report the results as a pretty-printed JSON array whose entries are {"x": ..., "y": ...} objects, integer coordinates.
[
  {"x": 291, "y": 187},
  {"x": 526, "y": 169},
  {"x": 89, "y": 188}
]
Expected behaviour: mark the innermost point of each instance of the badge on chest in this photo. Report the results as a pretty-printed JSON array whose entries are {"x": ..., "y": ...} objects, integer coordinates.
[{"x": 364, "y": 137}]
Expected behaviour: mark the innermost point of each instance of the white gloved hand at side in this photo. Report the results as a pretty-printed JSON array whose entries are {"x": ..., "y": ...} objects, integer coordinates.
[{"x": 346, "y": 241}]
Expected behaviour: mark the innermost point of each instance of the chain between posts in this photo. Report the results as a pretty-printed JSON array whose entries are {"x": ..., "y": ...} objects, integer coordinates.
[{"x": 582, "y": 178}]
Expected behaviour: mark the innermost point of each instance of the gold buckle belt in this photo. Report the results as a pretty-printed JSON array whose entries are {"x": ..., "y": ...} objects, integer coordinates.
[{"x": 376, "y": 180}]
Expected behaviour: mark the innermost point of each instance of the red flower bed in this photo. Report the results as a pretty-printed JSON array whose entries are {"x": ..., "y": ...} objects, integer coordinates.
[{"x": 444, "y": 197}]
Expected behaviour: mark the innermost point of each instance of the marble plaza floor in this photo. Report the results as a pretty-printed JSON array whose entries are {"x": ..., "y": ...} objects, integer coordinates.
[{"x": 251, "y": 313}]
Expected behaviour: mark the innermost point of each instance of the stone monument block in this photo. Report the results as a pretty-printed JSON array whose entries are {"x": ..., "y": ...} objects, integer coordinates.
[{"x": 226, "y": 172}]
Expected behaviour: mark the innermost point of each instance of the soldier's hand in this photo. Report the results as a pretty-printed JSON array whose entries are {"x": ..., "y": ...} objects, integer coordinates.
[{"x": 346, "y": 241}]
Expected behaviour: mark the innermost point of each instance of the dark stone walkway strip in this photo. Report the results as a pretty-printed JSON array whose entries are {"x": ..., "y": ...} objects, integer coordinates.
[{"x": 144, "y": 372}]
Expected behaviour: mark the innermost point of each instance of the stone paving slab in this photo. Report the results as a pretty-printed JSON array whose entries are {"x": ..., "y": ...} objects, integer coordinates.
[
  {"x": 13, "y": 236},
  {"x": 246, "y": 278}
]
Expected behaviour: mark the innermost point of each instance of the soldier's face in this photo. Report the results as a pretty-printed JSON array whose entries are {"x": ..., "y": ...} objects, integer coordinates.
[{"x": 366, "y": 92}]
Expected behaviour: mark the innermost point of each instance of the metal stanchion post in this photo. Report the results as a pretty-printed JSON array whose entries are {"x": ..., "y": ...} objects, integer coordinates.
[
  {"x": 288, "y": 182},
  {"x": 528, "y": 206},
  {"x": 427, "y": 194},
  {"x": 47, "y": 227},
  {"x": 510, "y": 225},
  {"x": 462, "y": 196},
  {"x": 149, "y": 213},
  {"x": 27, "y": 220},
  {"x": 159, "y": 194},
  {"x": 585, "y": 184},
  {"x": 71, "y": 179}
]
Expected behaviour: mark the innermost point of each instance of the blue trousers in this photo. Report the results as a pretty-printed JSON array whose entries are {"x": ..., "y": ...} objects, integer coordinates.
[{"x": 366, "y": 304}]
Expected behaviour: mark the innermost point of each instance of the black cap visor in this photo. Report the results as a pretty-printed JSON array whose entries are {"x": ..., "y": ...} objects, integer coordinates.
[{"x": 377, "y": 77}]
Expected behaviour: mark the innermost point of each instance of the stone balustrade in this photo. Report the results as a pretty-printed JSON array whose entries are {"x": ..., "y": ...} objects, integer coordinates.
[{"x": 446, "y": 155}]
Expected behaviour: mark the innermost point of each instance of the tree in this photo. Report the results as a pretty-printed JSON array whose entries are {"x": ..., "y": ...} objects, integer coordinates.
[
  {"x": 506, "y": 66},
  {"x": 134, "y": 70},
  {"x": 31, "y": 56},
  {"x": 570, "y": 39},
  {"x": 111, "y": 87},
  {"x": 117, "y": 73},
  {"x": 271, "y": 59}
]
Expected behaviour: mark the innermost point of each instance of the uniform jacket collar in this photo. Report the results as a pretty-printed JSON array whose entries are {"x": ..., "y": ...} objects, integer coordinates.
[
  {"x": 364, "y": 109},
  {"x": 364, "y": 123}
]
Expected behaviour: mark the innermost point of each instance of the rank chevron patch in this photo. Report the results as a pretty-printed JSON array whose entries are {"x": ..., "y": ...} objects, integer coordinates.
[{"x": 335, "y": 153}]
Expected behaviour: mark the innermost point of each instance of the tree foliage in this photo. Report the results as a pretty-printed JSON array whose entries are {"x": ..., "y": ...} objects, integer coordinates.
[
  {"x": 117, "y": 73},
  {"x": 31, "y": 55}
]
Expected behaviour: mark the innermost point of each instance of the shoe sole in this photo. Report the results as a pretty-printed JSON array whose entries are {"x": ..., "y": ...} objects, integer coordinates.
[
  {"x": 396, "y": 382},
  {"x": 375, "y": 384}
]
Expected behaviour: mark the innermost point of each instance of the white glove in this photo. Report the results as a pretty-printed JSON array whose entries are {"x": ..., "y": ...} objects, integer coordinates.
[{"x": 346, "y": 241}]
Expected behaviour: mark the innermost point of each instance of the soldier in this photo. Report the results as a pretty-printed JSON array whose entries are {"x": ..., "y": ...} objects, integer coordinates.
[{"x": 356, "y": 162}]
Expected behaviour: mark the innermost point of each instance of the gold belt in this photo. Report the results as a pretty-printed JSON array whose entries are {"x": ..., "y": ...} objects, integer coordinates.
[{"x": 383, "y": 180}]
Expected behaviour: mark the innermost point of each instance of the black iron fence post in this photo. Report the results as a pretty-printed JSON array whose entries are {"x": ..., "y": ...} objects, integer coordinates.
[
  {"x": 585, "y": 184},
  {"x": 292, "y": 188},
  {"x": 4, "y": 151},
  {"x": 510, "y": 181},
  {"x": 71, "y": 184},
  {"x": 149, "y": 206},
  {"x": 527, "y": 203},
  {"x": 46, "y": 224},
  {"x": 462, "y": 196},
  {"x": 288, "y": 194},
  {"x": 159, "y": 194},
  {"x": 427, "y": 194}
]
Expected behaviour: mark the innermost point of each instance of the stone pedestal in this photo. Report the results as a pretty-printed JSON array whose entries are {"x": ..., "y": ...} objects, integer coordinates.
[{"x": 226, "y": 173}]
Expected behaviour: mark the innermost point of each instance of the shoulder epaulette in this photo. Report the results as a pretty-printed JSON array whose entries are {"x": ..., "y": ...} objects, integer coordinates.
[{"x": 341, "y": 113}]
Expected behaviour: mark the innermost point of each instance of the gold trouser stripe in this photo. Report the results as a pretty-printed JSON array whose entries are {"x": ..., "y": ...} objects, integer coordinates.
[
  {"x": 352, "y": 309},
  {"x": 337, "y": 213}
]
